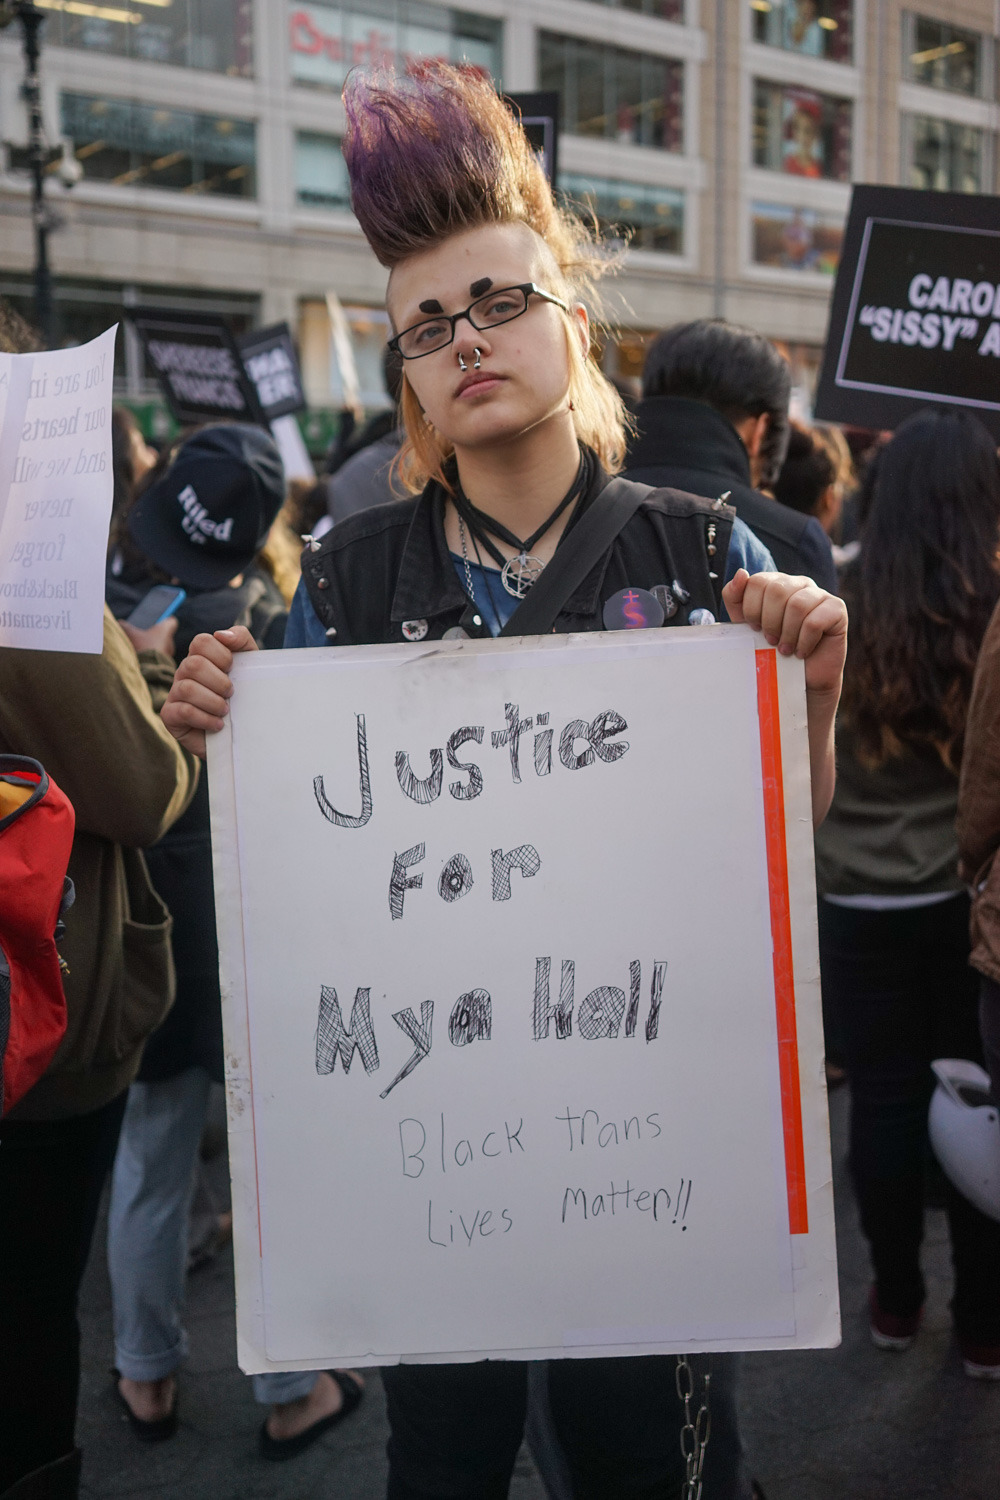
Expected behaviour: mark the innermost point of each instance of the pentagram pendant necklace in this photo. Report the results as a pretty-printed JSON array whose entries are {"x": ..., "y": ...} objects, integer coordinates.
[{"x": 518, "y": 573}]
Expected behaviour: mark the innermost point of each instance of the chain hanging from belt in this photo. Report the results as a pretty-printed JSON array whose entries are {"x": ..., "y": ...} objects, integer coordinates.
[
  {"x": 694, "y": 1434},
  {"x": 519, "y": 572}
]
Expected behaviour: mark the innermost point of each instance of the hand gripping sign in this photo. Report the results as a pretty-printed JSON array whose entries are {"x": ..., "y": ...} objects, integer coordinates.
[{"x": 521, "y": 1001}]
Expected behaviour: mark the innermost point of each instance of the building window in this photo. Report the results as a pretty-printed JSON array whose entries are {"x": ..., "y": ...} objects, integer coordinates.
[
  {"x": 647, "y": 218},
  {"x": 795, "y": 239},
  {"x": 801, "y": 132},
  {"x": 326, "y": 41},
  {"x": 814, "y": 28},
  {"x": 663, "y": 10},
  {"x": 612, "y": 94},
  {"x": 148, "y": 145},
  {"x": 942, "y": 155},
  {"x": 187, "y": 33},
  {"x": 942, "y": 56},
  {"x": 321, "y": 172}
]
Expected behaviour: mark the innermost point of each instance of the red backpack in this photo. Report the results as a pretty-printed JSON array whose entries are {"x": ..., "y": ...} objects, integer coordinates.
[{"x": 36, "y": 836}]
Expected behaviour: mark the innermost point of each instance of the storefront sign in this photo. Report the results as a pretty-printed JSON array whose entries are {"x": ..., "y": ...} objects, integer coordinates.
[{"x": 326, "y": 42}]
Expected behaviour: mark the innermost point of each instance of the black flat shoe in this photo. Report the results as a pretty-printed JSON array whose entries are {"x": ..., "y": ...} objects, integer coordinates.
[
  {"x": 157, "y": 1431},
  {"x": 278, "y": 1449}
]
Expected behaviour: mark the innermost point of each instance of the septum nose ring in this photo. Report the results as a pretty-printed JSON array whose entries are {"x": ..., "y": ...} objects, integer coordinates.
[
  {"x": 462, "y": 365},
  {"x": 478, "y": 358}
]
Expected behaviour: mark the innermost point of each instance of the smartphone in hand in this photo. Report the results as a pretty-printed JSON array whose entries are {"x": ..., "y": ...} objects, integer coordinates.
[{"x": 156, "y": 606}]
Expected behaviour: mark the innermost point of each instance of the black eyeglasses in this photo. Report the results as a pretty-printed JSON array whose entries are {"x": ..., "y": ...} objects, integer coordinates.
[{"x": 501, "y": 306}]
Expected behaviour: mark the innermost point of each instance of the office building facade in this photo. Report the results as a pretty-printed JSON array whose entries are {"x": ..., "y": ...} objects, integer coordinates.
[{"x": 719, "y": 136}]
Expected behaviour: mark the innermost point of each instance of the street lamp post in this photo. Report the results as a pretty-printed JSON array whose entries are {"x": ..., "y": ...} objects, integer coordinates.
[{"x": 31, "y": 18}]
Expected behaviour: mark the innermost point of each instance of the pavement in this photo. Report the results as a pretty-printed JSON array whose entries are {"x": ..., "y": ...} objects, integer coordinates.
[{"x": 853, "y": 1423}]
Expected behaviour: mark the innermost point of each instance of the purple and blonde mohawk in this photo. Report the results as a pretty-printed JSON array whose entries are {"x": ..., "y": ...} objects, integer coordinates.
[{"x": 435, "y": 152}]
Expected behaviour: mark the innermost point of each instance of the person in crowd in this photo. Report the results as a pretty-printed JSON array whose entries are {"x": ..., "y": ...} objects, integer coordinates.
[
  {"x": 279, "y": 558},
  {"x": 511, "y": 433},
  {"x": 714, "y": 421},
  {"x": 131, "y": 460},
  {"x": 93, "y": 721},
  {"x": 978, "y": 827},
  {"x": 364, "y": 477},
  {"x": 808, "y": 481},
  {"x": 305, "y": 511},
  {"x": 894, "y": 919},
  {"x": 229, "y": 477},
  {"x": 802, "y": 31}
]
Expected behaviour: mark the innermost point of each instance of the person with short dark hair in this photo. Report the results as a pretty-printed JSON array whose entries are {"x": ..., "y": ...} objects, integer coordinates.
[
  {"x": 364, "y": 476},
  {"x": 714, "y": 419},
  {"x": 808, "y": 479},
  {"x": 203, "y": 522}
]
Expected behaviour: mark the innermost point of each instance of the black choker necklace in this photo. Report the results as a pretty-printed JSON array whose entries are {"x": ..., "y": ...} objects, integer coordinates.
[{"x": 517, "y": 574}]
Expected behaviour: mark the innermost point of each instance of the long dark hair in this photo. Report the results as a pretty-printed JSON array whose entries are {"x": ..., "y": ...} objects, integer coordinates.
[{"x": 923, "y": 588}]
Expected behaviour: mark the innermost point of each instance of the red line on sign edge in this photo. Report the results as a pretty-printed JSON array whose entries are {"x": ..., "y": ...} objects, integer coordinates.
[{"x": 781, "y": 939}]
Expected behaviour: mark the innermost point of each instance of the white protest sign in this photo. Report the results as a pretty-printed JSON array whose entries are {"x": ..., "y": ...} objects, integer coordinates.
[
  {"x": 521, "y": 999},
  {"x": 56, "y": 486}
]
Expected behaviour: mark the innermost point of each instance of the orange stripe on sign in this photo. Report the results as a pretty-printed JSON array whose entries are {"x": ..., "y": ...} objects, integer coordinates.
[{"x": 781, "y": 939}]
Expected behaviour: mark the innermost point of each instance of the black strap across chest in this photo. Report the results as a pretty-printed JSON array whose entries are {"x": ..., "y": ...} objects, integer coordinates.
[{"x": 573, "y": 559}]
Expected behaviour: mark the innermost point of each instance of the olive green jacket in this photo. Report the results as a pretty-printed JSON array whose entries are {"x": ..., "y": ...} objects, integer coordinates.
[{"x": 93, "y": 722}]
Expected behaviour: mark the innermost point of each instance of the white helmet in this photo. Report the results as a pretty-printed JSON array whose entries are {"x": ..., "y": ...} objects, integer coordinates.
[{"x": 965, "y": 1132}]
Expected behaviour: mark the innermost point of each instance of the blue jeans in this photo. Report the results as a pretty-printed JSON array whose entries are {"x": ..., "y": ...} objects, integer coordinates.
[{"x": 152, "y": 1185}]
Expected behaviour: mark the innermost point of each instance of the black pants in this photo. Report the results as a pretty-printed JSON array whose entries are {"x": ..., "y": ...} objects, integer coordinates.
[
  {"x": 989, "y": 1027},
  {"x": 456, "y": 1429},
  {"x": 51, "y": 1176},
  {"x": 906, "y": 995}
]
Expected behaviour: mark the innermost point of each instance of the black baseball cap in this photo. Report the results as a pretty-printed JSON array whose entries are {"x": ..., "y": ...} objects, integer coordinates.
[{"x": 209, "y": 514}]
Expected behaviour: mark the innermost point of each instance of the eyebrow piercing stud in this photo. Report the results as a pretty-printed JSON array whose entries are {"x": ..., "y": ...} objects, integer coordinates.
[{"x": 462, "y": 365}]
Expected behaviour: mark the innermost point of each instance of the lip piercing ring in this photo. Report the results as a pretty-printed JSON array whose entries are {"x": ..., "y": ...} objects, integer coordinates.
[{"x": 462, "y": 365}]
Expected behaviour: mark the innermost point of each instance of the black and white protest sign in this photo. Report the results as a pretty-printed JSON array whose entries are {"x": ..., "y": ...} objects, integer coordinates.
[
  {"x": 538, "y": 113},
  {"x": 521, "y": 1001},
  {"x": 56, "y": 486},
  {"x": 272, "y": 364},
  {"x": 915, "y": 317},
  {"x": 198, "y": 366}
]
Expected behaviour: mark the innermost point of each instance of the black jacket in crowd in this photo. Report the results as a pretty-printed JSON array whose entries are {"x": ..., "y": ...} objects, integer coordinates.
[
  {"x": 390, "y": 566},
  {"x": 180, "y": 865},
  {"x": 690, "y": 445}
]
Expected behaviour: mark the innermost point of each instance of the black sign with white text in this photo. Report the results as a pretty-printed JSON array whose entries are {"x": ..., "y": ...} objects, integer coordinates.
[
  {"x": 915, "y": 317},
  {"x": 539, "y": 115},
  {"x": 271, "y": 362},
  {"x": 198, "y": 366}
]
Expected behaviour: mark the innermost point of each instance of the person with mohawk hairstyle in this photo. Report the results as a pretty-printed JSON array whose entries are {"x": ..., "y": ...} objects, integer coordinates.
[{"x": 513, "y": 434}]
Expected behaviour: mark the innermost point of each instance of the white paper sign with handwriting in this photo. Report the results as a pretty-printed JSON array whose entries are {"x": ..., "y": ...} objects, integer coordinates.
[
  {"x": 521, "y": 1000},
  {"x": 55, "y": 492}
]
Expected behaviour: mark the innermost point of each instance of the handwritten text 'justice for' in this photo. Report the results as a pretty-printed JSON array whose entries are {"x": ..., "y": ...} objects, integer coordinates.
[{"x": 580, "y": 744}]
